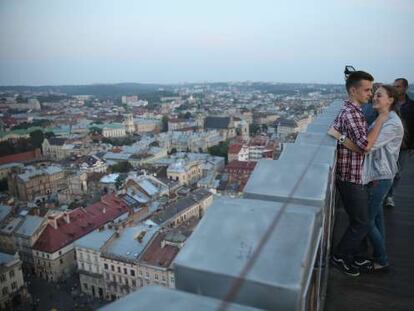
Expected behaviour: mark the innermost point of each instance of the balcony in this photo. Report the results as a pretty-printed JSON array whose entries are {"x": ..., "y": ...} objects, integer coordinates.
[{"x": 271, "y": 248}]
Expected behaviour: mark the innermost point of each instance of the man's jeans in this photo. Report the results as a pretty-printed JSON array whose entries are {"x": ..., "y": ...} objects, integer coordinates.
[
  {"x": 355, "y": 201},
  {"x": 377, "y": 191}
]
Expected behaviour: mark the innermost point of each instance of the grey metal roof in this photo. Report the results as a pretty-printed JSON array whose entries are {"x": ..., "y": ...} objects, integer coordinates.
[
  {"x": 6, "y": 258},
  {"x": 127, "y": 245},
  {"x": 30, "y": 225},
  {"x": 94, "y": 240},
  {"x": 4, "y": 211},
  {"x": 216, "y": 122}
]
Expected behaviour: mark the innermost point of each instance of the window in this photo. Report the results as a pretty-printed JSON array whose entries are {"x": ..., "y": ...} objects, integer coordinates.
[
  {"x": 112, "y": 267},
  {"x": 14, "y": 285},
  {"x": 105, "y": 266},
  {"x": 132, "y": 272},
  {"x": 125, "y": 271},
  {"x": 60, "y": 253},
  {"x": 119, "y": 269},
  {"x": 61, "y": 261},
  {"x": 5, "y": 291},
  {"x": 134, "y": 283},
  {"x": 85, "y": 285},
  {"x": 2, "y": 278},
  {"x": 156, "y": 276},
  {"x": 11, "y": 273}
]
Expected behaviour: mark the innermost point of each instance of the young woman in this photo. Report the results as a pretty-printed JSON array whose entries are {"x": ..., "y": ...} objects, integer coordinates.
[{"x": 380, "y": 165}]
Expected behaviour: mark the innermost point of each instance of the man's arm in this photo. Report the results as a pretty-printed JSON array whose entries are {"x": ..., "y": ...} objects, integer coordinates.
[{"x": 347, "y": 143}]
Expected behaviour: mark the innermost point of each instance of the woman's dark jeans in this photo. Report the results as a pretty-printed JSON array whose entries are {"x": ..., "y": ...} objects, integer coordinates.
[{"x": 377, "y": 191}]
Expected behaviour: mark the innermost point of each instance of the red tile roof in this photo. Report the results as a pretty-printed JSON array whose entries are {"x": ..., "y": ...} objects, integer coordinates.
[
  {"x": 241, "y": 165},
  {"x": 159, "y": 256},
  {"x": 235, "y": 148},
  {"x": 21, "y": 157},
  {"x": 82, "y": 221}
]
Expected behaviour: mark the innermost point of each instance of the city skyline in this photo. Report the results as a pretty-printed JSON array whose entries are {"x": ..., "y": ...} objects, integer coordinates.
[{"x": 78, "y": 42}]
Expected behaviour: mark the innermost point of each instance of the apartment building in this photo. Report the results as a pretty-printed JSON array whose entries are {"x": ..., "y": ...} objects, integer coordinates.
[
  {"x": 11, "y": 280},
  {"x": 54, "y": 251},
  {"x": 36, "y": 182}
]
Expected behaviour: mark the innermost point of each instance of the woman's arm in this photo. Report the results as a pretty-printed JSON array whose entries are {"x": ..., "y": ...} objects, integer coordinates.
[
  {"x": 347, "y": 143},
  {"x": 373, "y": 134}
]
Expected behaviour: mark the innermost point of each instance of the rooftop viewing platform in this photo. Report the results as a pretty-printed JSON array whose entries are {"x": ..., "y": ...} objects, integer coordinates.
[{"x": 271, "y": 248}]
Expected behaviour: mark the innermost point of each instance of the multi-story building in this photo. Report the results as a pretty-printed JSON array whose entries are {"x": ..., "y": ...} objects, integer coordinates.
[
  {"x": 176, "y": 213},
  {"x": 185, "y": 171},
  {"x": 180, "y": 124},
  {"x": 55, "y": 148},
  {"x": 157, "y": 259},
  {"x": 11, "y": 280},
  {"x": 147, "y": 125},
  {"x": 88, "y": 257},
  {"x": 7, "y": 234},
  {"x": 225, "y": 125},
  {"x": 54, "y": 252},
  {"x": 113, "y": 130},
  {"x": 37, "y": 183},
  {"x": 119, "y": 258},
  {"x": 92, "y": 164},
  {"x": 26, "y": 236},
  {"x": 145, "y": 188}
]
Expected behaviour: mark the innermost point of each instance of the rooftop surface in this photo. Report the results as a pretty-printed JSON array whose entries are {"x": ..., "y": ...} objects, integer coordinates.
[{"x": 391, "y": 290}]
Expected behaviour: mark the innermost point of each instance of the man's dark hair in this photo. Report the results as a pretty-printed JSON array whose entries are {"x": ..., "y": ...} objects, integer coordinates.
[
  {"x": 355, "y": 77},
  {"x": 404, "y": 81}
]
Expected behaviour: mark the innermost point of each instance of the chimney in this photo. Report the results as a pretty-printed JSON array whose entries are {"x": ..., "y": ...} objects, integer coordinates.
[
  {"x": 104, "y": 210},
  {"x": 66, "y": 217},
  {"x": 52, "y": 221}
]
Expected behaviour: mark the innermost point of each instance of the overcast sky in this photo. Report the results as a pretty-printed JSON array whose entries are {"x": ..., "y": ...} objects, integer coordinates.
[{"x": 81, "y": 42}]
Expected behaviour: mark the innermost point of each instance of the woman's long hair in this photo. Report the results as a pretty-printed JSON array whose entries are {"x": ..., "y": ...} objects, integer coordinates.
[{"x": 392, "y": 92}]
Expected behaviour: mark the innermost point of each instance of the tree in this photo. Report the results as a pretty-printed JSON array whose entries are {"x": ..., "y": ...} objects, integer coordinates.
[
  {"x": 3, "y": 185},
  {"x": 36, "y": 138},
  {"x": 254, "y": 128},
  {"x": 95, "y": 130},
  {"x": 164, "y": 123},
  {"x": 121, "y": 167},
  {"x": 220, "y": 150}
]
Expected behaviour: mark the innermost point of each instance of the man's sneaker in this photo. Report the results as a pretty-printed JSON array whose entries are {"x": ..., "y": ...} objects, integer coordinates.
[
  {"x": 340, "y": 264},
  {"x": 363, "y": 265},
  {"x": 389, "y": 202}
]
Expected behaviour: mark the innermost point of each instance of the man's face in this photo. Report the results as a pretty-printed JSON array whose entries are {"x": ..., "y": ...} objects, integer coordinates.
[
  {"x": 400, "y": 87},
  {"x": 362, "y": 93}
]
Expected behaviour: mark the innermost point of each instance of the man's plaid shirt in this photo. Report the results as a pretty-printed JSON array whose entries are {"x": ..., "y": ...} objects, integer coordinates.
[{"x": 351, "y": 123}]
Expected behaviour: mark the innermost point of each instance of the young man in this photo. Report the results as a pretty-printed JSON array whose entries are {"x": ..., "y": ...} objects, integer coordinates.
[
  {"x": 406, "y": 107},
  {"x": 351, "y": 123}
]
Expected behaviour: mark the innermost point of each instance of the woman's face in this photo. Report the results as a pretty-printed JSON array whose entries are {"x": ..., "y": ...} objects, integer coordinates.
[{"x": 381, "y": 101}]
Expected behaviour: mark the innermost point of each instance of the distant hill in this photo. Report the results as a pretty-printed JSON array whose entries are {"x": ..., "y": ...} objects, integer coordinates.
[{"x": 94, "y": 89}]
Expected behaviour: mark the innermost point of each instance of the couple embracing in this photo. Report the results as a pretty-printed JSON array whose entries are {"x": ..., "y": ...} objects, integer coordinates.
[{"x": 365, "y": 169}]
